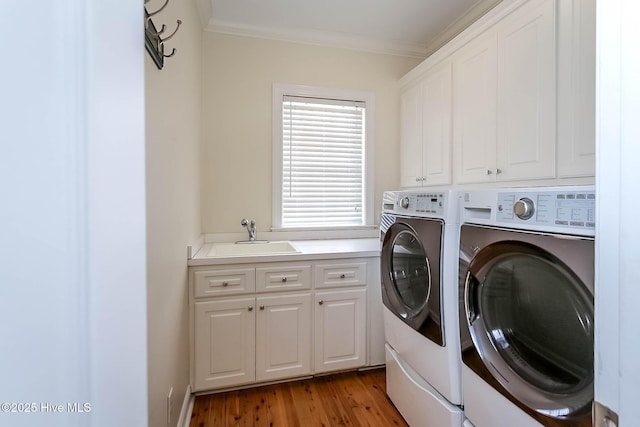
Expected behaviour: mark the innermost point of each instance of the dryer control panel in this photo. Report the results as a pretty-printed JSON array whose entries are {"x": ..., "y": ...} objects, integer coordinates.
[
  {"x": 569, "y": 209},
  {"x": 566, "y": 208}
]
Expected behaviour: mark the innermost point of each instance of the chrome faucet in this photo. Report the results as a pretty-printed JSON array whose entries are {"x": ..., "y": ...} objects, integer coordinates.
[{"x": 251, "y": 228}]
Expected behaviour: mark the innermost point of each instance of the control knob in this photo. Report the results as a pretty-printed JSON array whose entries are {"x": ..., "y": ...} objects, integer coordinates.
[
  {"x": 524, "y": 208},
  {"x": 404, "y": 202}
]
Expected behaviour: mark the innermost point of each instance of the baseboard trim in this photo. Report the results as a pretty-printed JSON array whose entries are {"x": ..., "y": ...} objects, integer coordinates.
[{"x": 187, "y": 408}]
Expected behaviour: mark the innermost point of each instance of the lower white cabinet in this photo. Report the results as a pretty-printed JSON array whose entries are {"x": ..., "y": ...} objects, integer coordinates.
[
  {"x": 299, "y": 319},
  {"x": 283, "y": 336},
  {"x": 224, "y": 345},
  {"x": 340, "y": 329},
  {"x": 243, "y": 340}
]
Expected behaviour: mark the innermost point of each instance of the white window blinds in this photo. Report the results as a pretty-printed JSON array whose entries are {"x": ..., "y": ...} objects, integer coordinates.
[{"x": 323, "y": 162}]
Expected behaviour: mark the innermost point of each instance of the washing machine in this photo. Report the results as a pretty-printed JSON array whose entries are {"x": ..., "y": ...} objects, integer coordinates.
[
  {"x": 419, "y": 233},
  {"x": 527, "y": 306}
]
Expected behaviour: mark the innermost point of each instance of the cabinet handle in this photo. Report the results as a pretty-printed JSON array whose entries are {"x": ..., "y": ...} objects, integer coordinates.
[
  {"x": 225, "y": 283},
  {"x": 320, "y": 302},
  {"x": 342, "y": 276},
  {"x": 423, "y": 179},
  {"x": 250, "y": 308},
  {"x": 417, "y": 179},
  {"x": 284, "y": 279},
  {"x": 262, "y": 307},
  {"x": 489, "y": 172},
  {"x": 498, "y": 171}
]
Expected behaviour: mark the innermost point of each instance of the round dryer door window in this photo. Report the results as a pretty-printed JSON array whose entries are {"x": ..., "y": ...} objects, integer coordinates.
[
  {"x": 410, "y": 270},
  {"x": 531, "y": 321}
]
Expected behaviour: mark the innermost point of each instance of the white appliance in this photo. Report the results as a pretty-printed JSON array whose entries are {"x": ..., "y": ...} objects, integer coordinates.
[
  {"x": 419, "y": 275},
  {"x": 526, "y": 306}
]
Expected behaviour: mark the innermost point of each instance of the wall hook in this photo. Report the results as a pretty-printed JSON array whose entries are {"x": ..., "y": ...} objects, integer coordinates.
[
  {"x": 162, "y": 40},
  {"x": 173, "y": 52},
  {"x": 153, "y": 40},
  {"x": 152, "y": 31},
  {"x": 159, "y": 10}
]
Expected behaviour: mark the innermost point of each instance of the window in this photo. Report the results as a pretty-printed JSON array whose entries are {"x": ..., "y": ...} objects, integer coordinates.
[{"x": 322, "y": 156}]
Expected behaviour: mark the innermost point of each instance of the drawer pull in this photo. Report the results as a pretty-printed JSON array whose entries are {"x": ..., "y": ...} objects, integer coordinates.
[
  {"x": 342, "y": 276},
  {"x": 262, "y": 307},
  {"x": 250, "y": 308},
  {"x": 284, "y": 279},
  {"x": 225, "y": 283},
  {"x": 320, "y": 302}
]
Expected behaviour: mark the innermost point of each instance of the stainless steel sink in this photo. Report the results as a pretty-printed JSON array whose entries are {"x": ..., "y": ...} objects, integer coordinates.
[{"x": 251, "y": 249}]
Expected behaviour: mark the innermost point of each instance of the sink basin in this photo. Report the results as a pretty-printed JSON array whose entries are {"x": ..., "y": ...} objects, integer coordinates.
[{"x": 251, "y": 249}]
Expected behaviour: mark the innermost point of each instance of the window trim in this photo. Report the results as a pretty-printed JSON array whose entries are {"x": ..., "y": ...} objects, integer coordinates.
[{"x": 279, "y": 91}]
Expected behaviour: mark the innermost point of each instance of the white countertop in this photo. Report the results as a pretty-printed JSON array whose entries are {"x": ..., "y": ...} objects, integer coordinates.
[{"x": 307, "y": 250}]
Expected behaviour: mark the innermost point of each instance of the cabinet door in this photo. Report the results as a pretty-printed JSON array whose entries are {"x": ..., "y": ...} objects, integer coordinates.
[
  {"x": 224, "y": 344},
  {"x": 527, "y": 93},
  {"x": 436, "y": 126},
  {"x": 576, "y": 88},
  {"x": 283, "y": 336},
  {"x": 411, "y": 137},
  {"x": 340, "y": 329},
  {"x": 475, "y": 110},
  {"x": 425, "y": 147}
]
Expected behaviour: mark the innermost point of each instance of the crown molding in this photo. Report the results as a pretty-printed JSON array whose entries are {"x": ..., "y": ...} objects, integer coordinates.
[
  {"x": 318, "y": 38},
  {"x": 345, "y": 40}
]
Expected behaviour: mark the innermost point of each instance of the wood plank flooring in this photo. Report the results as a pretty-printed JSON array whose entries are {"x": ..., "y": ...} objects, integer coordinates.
[{"x": 355, "y": 399}]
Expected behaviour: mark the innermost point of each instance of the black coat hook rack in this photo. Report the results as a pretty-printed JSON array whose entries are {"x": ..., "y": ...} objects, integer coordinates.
[{"x": 153, "y": 38}]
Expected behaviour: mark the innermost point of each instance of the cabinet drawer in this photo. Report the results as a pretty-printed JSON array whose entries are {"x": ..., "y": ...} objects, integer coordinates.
[
  {"x": 211, "y": 283},
  {"x": 345, "y": 274},
  {"x": 283, "y": 277}
]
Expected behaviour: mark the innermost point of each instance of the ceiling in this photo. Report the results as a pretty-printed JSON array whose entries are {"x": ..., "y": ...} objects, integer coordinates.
[{"x": 403, "y": 27}]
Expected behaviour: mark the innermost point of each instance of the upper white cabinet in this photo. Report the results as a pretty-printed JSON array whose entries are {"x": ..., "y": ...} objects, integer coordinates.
[
  {"x": 475, "y": 110},
  {"x": 576, "y": 88},
  {"x": 522, "y": 105},
  {"x": 425, "y": 157},
  {"x": 411, "y": 137},
  {"x": 505, "y": 102},
  {"x": 527, "y": 93}
]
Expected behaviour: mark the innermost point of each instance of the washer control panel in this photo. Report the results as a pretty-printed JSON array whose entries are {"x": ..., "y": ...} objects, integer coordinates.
[
  {"x": 564, "y": 208},
  {"x": 432, "y": 203}
]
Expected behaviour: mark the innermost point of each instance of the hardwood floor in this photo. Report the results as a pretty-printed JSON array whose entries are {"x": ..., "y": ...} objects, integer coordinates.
[{"x": 356, "y": 399}]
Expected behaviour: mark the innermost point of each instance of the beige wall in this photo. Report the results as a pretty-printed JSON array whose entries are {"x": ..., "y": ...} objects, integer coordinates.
[
  {"x": 173, "y": 135},
  {"x": 238, "y": 74}
]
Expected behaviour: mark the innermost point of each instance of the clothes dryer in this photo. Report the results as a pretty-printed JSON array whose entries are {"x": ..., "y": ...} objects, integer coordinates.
[
  {"x": 526, "y": 312},
  {"x": 419, "y": 272}
]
